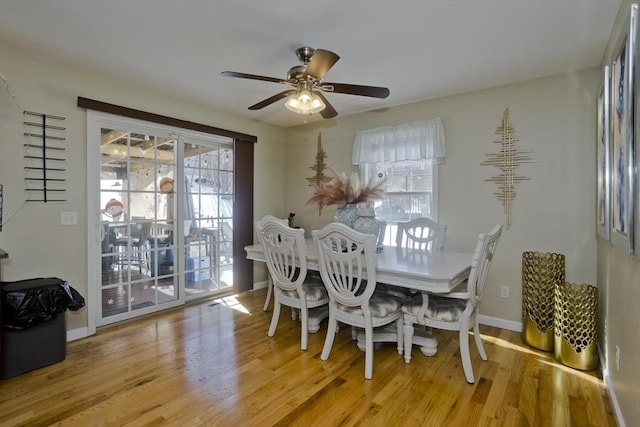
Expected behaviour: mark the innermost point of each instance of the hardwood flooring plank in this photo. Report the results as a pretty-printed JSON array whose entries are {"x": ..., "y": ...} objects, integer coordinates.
[{"x": 212, "y": 364}]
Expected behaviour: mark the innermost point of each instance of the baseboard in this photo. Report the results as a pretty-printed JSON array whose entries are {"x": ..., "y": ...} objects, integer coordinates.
[
  {"x": 500, "y": 323},
  {"x": 261, "y": 285},
  {"x": 77, "y": 334},
  {"x": 611, "y": 392},
  {"x": 614, "y": 400}
]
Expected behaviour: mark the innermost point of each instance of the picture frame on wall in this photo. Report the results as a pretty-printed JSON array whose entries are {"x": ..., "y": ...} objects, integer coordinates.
[
  {"x": 603, "y": 154},
  {"x": 622, "y": 134}
]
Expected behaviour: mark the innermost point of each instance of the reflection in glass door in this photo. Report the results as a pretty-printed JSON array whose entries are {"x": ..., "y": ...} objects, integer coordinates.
[
  {"x": 208, "y": 209},
  {"x": 137, "y": 173}
]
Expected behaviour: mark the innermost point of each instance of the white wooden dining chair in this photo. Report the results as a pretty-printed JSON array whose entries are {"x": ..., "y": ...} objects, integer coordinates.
[
  {"x": 260, "y": 223},
  {"x": 286, "y": 257},
  {"x": 457, "y": 310},
  {"x": 421, "y": 233},
  {"x": 344, "y": 255}
]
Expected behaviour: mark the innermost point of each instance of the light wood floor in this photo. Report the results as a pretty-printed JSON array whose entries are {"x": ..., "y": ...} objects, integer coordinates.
[{"x": 213, "y": 364}]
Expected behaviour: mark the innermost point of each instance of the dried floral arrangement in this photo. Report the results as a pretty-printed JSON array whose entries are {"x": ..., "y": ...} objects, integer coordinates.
[{"x": 342, "y": 190}]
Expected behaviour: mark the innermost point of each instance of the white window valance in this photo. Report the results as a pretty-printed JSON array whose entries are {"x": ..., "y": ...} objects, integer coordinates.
[{"x": 422, "y": 140}]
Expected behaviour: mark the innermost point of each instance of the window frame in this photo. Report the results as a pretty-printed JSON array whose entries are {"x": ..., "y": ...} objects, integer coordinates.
[{"x": 368, "y": 174}]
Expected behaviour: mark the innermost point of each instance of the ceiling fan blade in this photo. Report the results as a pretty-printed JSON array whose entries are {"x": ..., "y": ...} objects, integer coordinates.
[
  {"x": 372, "y": 91},
  {"x": 328, "y": 112},
  {"x": 252, "y": 77},
  {"x": 321, "y": 62},
  {"x": 271, "y": 100}
]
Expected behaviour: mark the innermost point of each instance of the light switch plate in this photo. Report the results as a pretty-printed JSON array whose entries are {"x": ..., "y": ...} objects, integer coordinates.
[{"x": 69, "y": 218}]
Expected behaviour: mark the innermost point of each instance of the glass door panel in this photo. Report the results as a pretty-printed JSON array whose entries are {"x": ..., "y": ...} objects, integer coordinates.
[
  {"x": 137, "y": 268},
  {"x": 208, "y": 171}
]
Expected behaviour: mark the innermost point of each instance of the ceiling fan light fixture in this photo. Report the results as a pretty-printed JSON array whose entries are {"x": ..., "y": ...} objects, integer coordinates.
[
  {"x": 303, "y": 79},
  {"x": 304, "y": 101}
]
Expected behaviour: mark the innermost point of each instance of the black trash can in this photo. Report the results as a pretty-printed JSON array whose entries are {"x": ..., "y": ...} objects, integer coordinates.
[{"x": 34, "y": 332}]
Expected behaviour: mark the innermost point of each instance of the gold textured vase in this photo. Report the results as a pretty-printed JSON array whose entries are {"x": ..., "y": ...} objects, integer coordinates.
[
  {"x": 541, "y": 272},
  {"x": 576, "y": 325}
]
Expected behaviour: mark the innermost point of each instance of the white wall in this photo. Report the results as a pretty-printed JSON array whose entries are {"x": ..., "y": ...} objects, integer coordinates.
[
  {"x": 37, "y": 244},
  {"x": 552, "y": 212},
  {"x": 619, "y": 288}
]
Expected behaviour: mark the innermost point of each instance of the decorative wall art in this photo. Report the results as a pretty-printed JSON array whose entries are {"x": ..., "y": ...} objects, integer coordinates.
[
  {"x": 45, "y": 164},
  {"x": 622, "y": 137},
  {"x": 603, "y": 153},
  {"x": 507, "y": 159},
  {"x": 319, "y": 166}
]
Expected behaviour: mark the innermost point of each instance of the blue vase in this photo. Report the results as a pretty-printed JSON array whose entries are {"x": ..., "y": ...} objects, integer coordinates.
[
  {"x": 346, "y": 214},
  {"x": 366, "y": 222}
]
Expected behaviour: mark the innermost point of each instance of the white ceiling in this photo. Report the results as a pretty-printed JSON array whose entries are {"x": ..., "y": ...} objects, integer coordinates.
[{"x": 419, "y": 49}]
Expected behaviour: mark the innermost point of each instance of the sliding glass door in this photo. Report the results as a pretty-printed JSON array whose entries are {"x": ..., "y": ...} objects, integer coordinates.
[
  {"x": 208, "y": 178},
  {"x": 163, "y": 211}
]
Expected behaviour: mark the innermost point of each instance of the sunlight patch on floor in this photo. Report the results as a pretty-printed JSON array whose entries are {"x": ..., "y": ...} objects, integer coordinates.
[
  {"x": 232, "y": 302},
  {"x": 511, "y": 346},
  {"x": 585, "y": 375},
  {"x": 507, "y": 344}
]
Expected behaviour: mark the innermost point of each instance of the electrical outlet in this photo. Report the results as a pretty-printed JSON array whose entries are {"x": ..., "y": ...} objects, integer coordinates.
[
  {"x": 617, "y": 358},
  {"x": 69, "y": 218},
  {"x": 504, "y": 292}
]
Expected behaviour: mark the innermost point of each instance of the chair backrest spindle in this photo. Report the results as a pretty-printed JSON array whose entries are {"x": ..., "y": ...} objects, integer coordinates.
[
  {"x": 421, "y": 233},
  {"x": 344, "y": 255},
  {"x": 284, "y": 249},
  {"x": 482, "y": 257}
]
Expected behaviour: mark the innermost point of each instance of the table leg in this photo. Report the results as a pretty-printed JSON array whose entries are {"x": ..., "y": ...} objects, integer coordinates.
[
  {"x": 383, "y": 334},
  {"x": 316, "y": 316},
  {"x": 428, "y": 344}
]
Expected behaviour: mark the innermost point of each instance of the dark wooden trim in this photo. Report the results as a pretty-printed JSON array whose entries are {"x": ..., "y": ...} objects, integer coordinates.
[
  {"x": 243, "y": 216},
  {"x": 92, "y": 104}
]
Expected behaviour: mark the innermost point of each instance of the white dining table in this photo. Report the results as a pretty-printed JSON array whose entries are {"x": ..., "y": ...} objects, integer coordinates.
[
  {"x": 437, "y": 272},
  {"x": 426, "y": 271}
]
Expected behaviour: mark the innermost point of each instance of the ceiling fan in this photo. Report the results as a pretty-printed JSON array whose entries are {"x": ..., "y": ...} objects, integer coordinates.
[{"x": 307, "y": 81}]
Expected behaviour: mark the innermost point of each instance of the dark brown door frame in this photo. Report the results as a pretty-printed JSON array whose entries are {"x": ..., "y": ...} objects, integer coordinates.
[{"x": 243, "y": 216}]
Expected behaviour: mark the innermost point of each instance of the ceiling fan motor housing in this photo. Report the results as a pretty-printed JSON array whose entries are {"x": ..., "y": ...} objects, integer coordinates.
[
  {"x": 304, "y": 54},
  {"x": 296, "y": 73}
]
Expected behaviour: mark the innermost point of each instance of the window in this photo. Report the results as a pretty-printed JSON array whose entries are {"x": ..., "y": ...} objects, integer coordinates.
[
  {"x": 408, "y": 190},
  {"x": 407, "y": 157}
]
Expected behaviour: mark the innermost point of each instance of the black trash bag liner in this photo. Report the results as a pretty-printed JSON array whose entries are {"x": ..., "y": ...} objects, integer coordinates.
[{"x": 26, "y": 303}]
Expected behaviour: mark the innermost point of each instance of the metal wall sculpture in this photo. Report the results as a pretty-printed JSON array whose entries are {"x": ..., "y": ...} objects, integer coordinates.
[
  {"x": 507, "y": 159},
  {"x": 45, "y": 164},
  {"x": 319, "y": 167}
]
